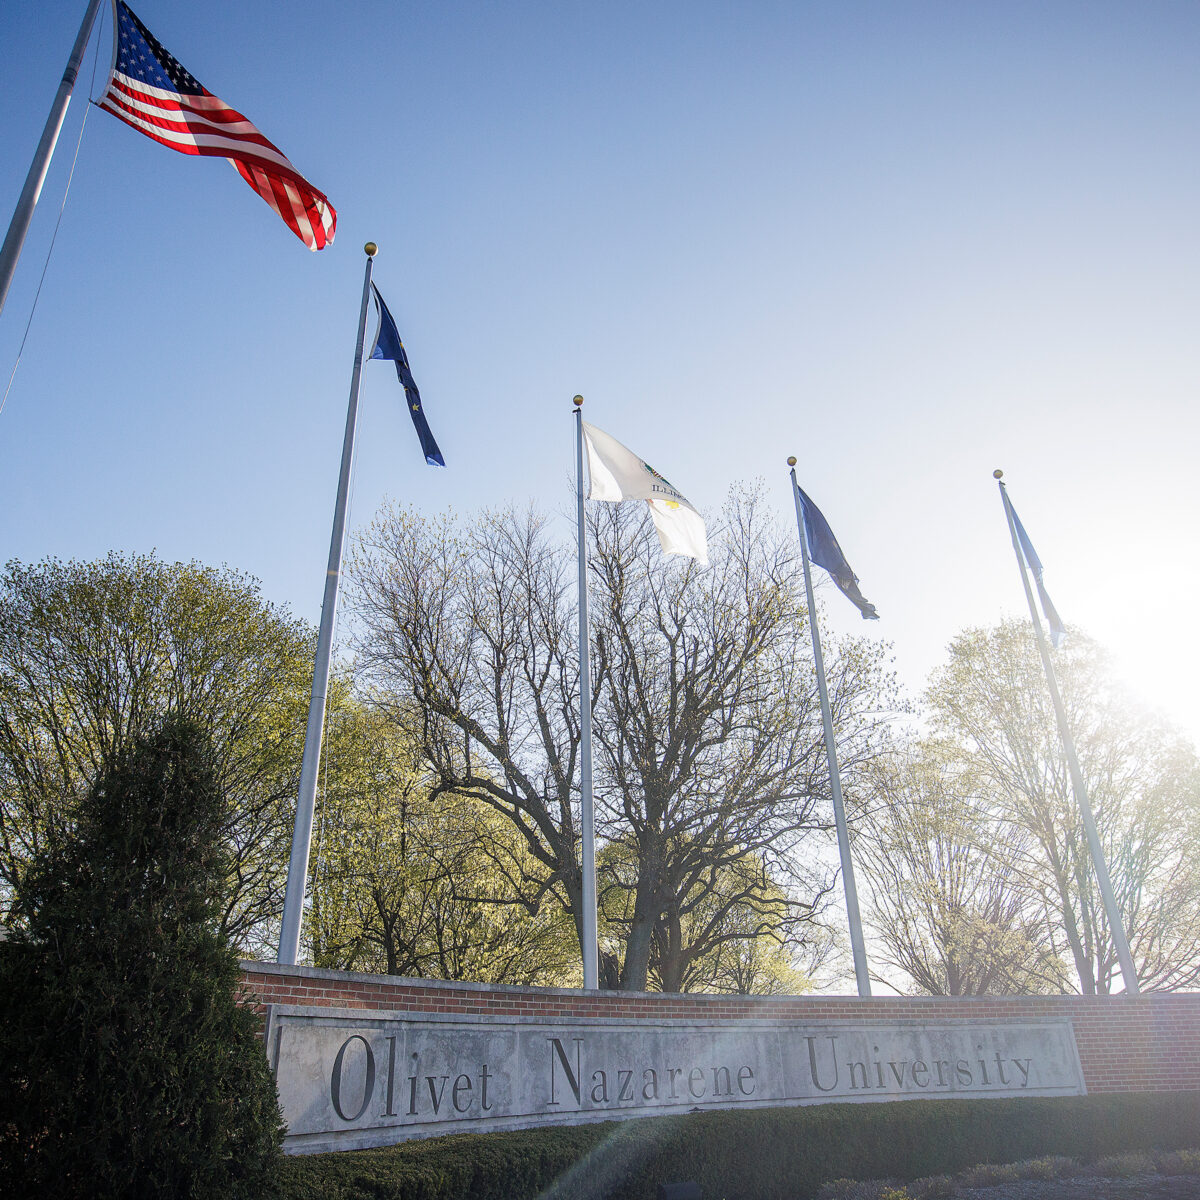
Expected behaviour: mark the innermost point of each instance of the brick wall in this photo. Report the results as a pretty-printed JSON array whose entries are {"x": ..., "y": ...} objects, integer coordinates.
[{"x": 1148, "y": 1043}]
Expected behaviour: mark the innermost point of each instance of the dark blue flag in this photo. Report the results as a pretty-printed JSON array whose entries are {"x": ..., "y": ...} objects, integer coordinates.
[
  {"x": 825, "y": 552},
  {"x": 1057, "y": 629},
  {"x": 389, "y": 346}
]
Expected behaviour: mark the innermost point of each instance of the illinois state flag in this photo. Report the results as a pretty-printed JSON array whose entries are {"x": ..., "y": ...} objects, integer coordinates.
[
  {"x": 616, "y": 473},
  {"x": 151, "y": 91}
]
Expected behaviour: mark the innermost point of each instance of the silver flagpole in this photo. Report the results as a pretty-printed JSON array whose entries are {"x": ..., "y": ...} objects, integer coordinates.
[
  {"x": 293, "y": 904},
  {"x": 1068, "y": 742},
  {"x": 591, "y": 972},
  {"x": 835, "y": 783},
  {"x": 19, "y": 226}
]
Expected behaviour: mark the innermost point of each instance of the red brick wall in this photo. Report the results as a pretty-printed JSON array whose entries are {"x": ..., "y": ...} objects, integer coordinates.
[{"x": 1148, "y": 1043}]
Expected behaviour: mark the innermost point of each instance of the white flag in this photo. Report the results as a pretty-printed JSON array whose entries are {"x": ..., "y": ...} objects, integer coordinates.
[{"x": 616, "y": 473}]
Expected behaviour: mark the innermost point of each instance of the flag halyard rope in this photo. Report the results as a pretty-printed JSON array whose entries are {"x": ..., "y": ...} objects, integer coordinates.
[{"x": 54, "y": 237}]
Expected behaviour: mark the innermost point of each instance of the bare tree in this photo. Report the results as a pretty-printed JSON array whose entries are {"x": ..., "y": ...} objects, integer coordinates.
[
  {"x": 467, "y": 637},
  {"x": 706, "y": 722},
  {"x": 708, "y": 730}
]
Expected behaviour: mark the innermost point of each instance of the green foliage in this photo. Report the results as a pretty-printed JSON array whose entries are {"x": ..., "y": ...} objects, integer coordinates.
[
  {"x": 497, "y": 1166},
  {"x": 1122, "y": 1166},
  {"x": 855, "y": 1189},
  {"x": 94, "y": 655},
  {"x": 948, "y": 903},
  {"x": 127, "y": 1065},
  {"x": 991, "y": 1174},
  {"x": 1178, "y": 1162},
  {"x": 410, "y": 879},
  {"x": 1049, "y": 1166},
  {"x": 933, "y": 1187},
  {"x": 762, "y": 1154},
  {"x": 1143, "y": 779}
]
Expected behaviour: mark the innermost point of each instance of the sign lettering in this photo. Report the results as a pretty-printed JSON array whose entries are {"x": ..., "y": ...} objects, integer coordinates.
[{"x": 349, "y": 1078}]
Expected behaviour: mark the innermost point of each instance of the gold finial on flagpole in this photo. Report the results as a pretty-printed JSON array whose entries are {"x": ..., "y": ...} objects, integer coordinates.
[
  {"x": 791, "y": 460},
  {"x": 371, "y": 249},
  {"x": 577, "y": 401},
  {"x": 997, "y": 474}
]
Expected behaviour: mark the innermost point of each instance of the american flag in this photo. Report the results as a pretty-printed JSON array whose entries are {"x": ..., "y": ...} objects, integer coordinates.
[{"x": 151, "y": 91}]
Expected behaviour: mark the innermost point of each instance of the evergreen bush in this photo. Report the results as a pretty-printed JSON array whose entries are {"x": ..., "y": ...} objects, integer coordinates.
[{"x": 128, "y": 1067}]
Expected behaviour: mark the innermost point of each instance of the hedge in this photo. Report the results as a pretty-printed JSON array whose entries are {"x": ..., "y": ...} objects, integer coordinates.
[{"x": 754, "y": 1154}]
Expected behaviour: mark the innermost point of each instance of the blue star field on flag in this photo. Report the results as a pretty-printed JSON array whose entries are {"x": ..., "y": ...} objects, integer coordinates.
[{"x": 389, "y": 346}]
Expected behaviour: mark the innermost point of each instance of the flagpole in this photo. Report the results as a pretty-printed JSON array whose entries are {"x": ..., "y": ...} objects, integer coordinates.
[
  {"x": 589, "y": 946},
  {"x": 1068, "y": 742},
  {"x": 293, "y": 904},
  {"x": 857, "y": 944},
  {"x": 23, "y": 215}
]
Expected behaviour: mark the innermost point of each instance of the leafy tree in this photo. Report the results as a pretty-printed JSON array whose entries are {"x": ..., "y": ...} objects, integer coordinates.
[
  {"x": 1143, "y": 779},
  {"x": 93, "y": 655},
  {"x": 949, "y": 902},
  {"x": 408, "y": 879},
  {"x": 707, "y": 730},
  {"x": 129, "y": 1067}
]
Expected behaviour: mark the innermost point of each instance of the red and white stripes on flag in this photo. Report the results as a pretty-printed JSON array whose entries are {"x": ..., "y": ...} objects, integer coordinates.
[{"x": 150, "y": 90}]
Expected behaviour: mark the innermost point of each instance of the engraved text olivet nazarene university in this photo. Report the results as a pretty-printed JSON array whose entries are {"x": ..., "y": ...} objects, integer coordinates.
[{"x": 357, "y": 1079}]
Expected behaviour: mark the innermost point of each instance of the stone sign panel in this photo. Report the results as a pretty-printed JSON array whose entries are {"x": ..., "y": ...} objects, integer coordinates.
[{"x": 350, "y": 1078}]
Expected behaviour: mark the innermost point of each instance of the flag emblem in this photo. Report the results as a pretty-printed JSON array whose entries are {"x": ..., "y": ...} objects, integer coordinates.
[
  {"x": 150, "y": 90},
  {"x": 661, "y": 478},
  {"x": 616, "y": 473}
]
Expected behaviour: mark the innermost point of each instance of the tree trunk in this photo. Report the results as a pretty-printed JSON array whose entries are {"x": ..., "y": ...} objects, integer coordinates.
[
  {"x": 671, "y": 960},
  {"x": 647, "y": 908}
]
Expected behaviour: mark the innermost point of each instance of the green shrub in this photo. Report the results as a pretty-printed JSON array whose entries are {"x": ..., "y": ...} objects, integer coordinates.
[
  {"x": 1051, "y": 1166},
  {"x": 1121, "y": 1166},
  {"x": 990, "y": 1175},
  {"x": 932, "y": 1187},
  {"x": 840, "y": 1189},
  {"x": 128, "y": 1067},
  {"x": 1177, "y": 1162},
  {"x": 858, "y": 1189},
  {"x": 760, "y": 1154}
]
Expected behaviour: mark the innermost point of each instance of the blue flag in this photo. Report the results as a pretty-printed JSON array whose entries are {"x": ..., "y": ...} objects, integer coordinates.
[
  {"x": 389, "y": 346},
  {"x": 825, "y": 552},
  {"x": 1057, "y": 629}
]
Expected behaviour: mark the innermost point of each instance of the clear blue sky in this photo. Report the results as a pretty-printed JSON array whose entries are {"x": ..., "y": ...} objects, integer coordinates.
[{"x": 906, "y": 242}]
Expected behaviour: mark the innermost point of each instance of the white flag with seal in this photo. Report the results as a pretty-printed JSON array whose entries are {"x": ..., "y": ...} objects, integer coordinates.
[{"x": 616, "y": 473}]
